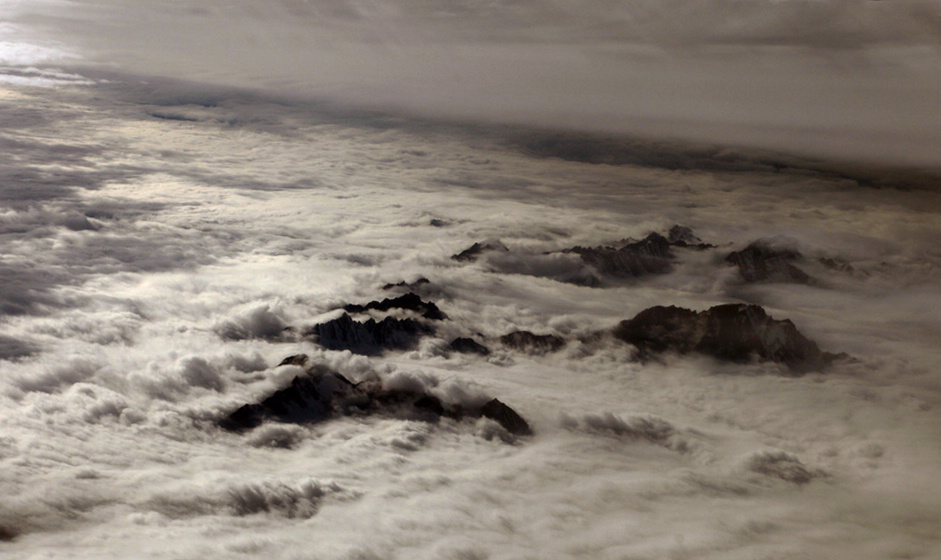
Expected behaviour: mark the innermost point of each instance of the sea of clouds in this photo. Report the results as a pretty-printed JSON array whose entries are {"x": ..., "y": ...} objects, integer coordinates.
[
  {"x": 158, "y": 238},
  {"x": 164, "y": 243}
]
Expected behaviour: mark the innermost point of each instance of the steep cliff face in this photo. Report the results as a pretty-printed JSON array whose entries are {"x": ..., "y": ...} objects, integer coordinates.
[{"x": 733, "y": 332}]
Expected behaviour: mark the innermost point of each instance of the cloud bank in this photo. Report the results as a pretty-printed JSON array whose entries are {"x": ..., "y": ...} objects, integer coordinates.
[
  {"x": 167, "y": 245},
  {"x": 847, "y": 78}
]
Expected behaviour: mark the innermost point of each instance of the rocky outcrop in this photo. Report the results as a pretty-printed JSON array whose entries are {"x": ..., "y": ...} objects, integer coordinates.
[
  {"x": 659, "y": 329},
  {"x": 525, "y": 341},
  {"x": 308, "y": 399},
  {"x": 650, "y": 255},
  {"x": 369, "y": 337},
  {"x": 410, "y": 286},
  {"x": 629, "y": 258},
  {"x": 408, "y": 302},
  {"x": 321, "y": 394},
  {"x": 506, "y": 417},
  {"x": 682, "y": 236},
  {"x": 468, "y": 346},
  {"x": 295, "y": 360},
  {"x": 762, "y": 262},
  {"x": 733, "y": 332},
  {"x": 473, "y": 252}
]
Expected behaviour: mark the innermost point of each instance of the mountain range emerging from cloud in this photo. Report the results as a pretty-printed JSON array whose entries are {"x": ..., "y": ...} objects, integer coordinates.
[{"x": 388, "y": 303}]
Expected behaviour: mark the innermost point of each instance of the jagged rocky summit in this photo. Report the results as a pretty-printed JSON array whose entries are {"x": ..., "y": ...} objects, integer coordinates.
[
  {"x": 410, "y": 286},
  {"x": 650, "y": 255},
  {"x": 322, "y": 393},
  {"x": 473, "y": 252},
  {"x": 762, "y": 261},
  {"x": 522, "y": 341},
  {"x": 371, "y": 337},
  {"x": 733, "y": 332},
  {"x": 627, "y": 259},
  {"x": 407, "y": 302},
  {"x": 466, "y": 345}
]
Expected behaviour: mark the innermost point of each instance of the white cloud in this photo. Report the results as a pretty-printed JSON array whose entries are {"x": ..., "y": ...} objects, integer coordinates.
[{"x": 257, "y": 214}]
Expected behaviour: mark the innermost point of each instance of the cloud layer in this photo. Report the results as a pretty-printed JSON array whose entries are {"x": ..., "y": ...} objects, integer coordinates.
[
  {"x": 851, "y": 78},
  {"x": 166, "y": 245}
]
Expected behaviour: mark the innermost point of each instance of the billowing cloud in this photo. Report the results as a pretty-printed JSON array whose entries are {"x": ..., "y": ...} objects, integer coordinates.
[{"x": 158, "y": 238}]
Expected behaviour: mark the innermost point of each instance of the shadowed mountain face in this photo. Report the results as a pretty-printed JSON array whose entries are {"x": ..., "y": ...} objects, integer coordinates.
[
  {"x": 372, "y": 337},
  {"x": 466, "y": 345},
  {"x": 322, "y": 394},
  {"x": 650, "y": 255},
  {"x": 734, "y": 332},
  {"x": 761, "y": 262},
  {"x": 369, "y": 337},
  {"x": 474, "y": 252},
  {"x": 307, "y": 400},
  {"x": 408, "y": 302}
]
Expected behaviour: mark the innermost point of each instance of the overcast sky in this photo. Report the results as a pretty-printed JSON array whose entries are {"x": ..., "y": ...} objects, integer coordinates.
[{"x": 844, "y": 77}]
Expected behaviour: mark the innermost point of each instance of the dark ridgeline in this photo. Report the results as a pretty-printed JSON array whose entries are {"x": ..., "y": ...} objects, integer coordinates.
[
  {"x": 762, "y": 262},
  {"x": 322, "y": 393},
  {"x": 372, "y": 337},
  {"x": 369, "y": 337},
  {"x": 624, "y": 260},
  {"x": 407, "y": 302},
  {"x": 466, "y": 345},
  {"x": 650, "y": 255},
  {"x": 473, "y": 252},
  {"x": 733, "y": 332},
  {"x": 410, "y": 286}
]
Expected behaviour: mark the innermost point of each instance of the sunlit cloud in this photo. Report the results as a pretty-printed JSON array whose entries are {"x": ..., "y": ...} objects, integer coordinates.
[{"x": 186, "y": 203}]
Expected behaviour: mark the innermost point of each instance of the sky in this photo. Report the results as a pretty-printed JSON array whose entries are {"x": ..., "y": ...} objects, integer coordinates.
[{"x": 847, "y": 78}]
